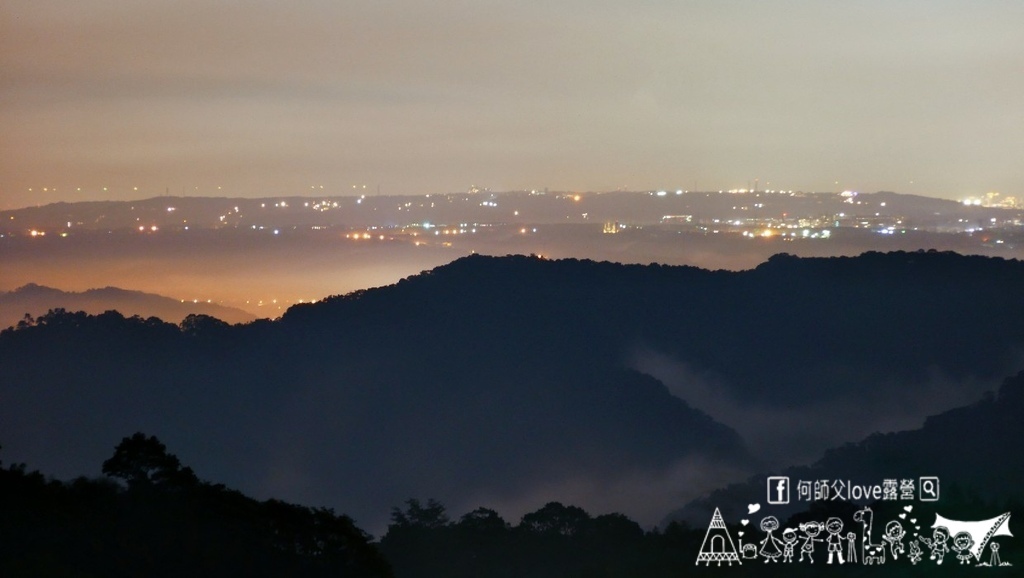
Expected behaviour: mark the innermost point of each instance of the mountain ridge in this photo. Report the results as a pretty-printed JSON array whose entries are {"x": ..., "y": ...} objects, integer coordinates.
[
  {"x": 34, "y": 299},
  {"x": 509, "y": 380}
]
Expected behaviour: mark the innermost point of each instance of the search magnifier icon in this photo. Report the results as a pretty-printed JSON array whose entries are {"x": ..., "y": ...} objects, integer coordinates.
[{"x": 929, "y": 489}]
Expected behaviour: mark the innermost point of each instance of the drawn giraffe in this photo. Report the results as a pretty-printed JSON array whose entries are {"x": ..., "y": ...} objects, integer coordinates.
[{"x": 871, "y": 553}]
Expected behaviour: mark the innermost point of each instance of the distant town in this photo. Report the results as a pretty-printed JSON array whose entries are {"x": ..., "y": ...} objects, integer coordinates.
[
  {"x": 748, "y": 213},
  {"x": 264, "y": 255}
]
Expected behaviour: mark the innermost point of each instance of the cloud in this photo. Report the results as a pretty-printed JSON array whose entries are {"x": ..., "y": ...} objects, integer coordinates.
[{"x": 797, "y": 433}]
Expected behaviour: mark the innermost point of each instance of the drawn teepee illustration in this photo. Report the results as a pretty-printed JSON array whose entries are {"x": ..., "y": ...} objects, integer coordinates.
[{"x": 718, "y": 545}]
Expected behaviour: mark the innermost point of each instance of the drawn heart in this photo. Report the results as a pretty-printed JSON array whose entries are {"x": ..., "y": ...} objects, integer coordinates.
[
  {"x": 917, "y": 527},
  {"x": 913, "y": 520},
  {"x": 903, "y": 516},
  {"x": 909, "y": 508},
  {"x": 740, "y": 533},
  {"x": 753, "y": 508},
  {"x": 744, "y": 522}
]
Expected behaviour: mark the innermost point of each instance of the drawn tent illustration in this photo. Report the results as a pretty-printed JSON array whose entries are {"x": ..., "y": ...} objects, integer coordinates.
[
  {"x": 981, "y": 531},
  {"x": 718, "y": 545}
]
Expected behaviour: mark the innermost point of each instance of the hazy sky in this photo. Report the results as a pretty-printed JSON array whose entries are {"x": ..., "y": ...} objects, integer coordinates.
[{"x": 268, "y": 98}]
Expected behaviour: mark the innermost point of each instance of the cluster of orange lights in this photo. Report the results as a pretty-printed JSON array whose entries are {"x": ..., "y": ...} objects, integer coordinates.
[{"x": 358, "y": 236}]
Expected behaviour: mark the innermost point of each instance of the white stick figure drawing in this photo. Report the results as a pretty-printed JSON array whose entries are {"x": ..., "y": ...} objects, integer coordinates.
[
  {"x": 811, "y": 531},
  {"x": 962, "y": 544},
  {"x": 937, "y": 544},
  {"x": 995, "y": 555},
  {"x": 770, "y": 545},
  {"x": 915, "y": 553},
  {"x": 851, "y": 551},
  {"x": 872, "y": 553},
  {"x": 894, "y": 536},
  {"x": 834, "y": 526}
]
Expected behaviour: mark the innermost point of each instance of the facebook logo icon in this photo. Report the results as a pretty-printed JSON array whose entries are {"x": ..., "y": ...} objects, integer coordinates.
[{"x": 778, "y": 490}]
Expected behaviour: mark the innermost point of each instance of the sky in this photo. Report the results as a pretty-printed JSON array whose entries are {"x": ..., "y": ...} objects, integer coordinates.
[{"x": 132, "y": 99}]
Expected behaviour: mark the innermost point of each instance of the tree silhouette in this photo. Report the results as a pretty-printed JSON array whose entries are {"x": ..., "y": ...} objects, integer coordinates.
[
  {"x": 144, "y": 461},
  {"x": 556, "y": 519},
  {"x": 483, "y": 521},
  {"x": 430, "y": 517},
  {"x": 167, "y": 523}
]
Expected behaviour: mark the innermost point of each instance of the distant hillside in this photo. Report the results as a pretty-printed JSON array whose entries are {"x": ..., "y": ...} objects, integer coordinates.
[
  {"x": 37, "y": 300},
  {"x": 648, "y": 207},
  {"x": 974, "y": 451},
  {"x": 513, "y": 381}
]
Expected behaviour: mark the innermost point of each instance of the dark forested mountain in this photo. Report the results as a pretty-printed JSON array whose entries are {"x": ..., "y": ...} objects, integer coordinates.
[
  {"x": 513, "y": 381},
  {"x": 36, "y": 300}
]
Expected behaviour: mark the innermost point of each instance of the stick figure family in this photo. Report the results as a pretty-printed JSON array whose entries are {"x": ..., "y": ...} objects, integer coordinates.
[
  {"x": 773, "y": 548},
  {"x": 827, "y": 542}
]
